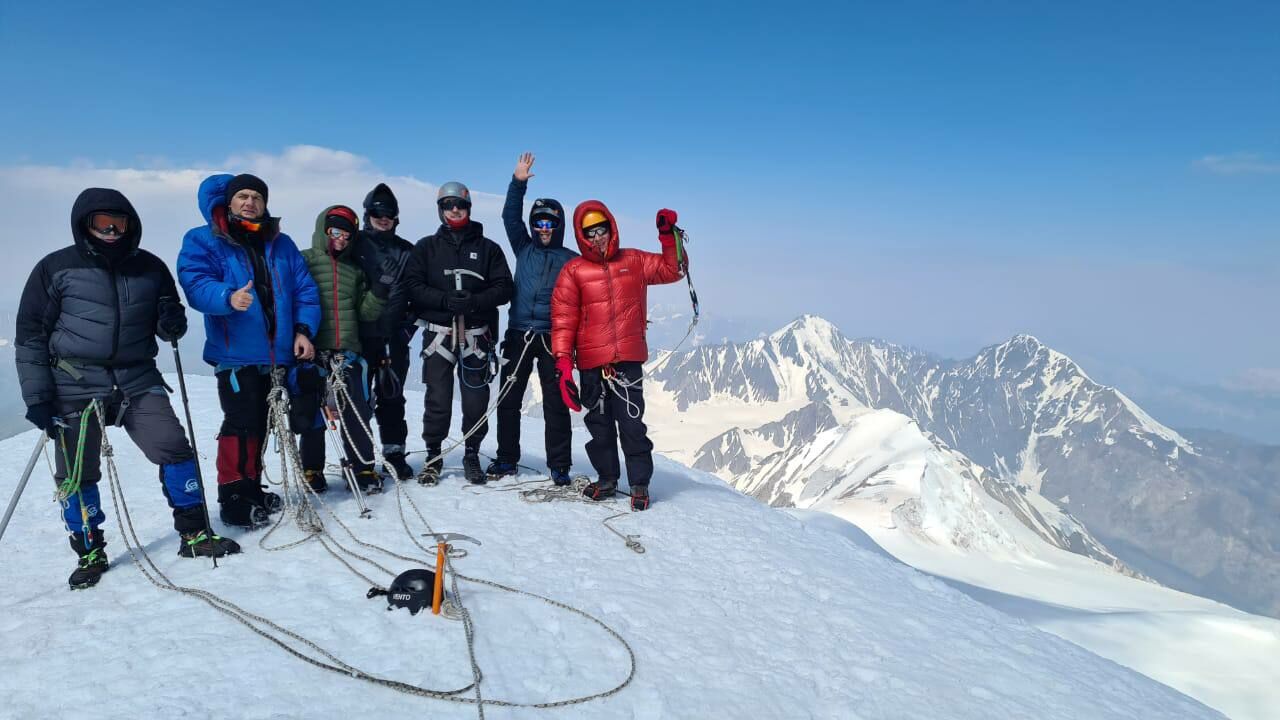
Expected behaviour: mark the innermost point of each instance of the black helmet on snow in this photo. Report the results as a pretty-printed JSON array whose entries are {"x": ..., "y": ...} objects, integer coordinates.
[{"x": 411, "y": 589}]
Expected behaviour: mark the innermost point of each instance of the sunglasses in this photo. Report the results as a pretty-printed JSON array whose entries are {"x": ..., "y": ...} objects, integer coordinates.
[
  {"x": 454, "y": 204},
  {"x": 338, "y": 233},
  {"x": 109, "y": 224},
  {"x": 597, "y": 231},
  {"x": 381, "y": 213},
  {"x": 544, "y": 224}
]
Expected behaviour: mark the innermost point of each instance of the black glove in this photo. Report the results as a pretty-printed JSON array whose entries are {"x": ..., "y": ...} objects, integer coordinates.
[
  {"x": 389, "y": 271},
  {"x": 461, "y": 302},
  {"x": 172, "y": 323},
  {"x": 42, "y": 416}
]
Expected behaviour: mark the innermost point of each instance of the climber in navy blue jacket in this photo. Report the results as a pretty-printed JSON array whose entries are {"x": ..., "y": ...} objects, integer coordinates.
[{"x": 539, "y": 257}]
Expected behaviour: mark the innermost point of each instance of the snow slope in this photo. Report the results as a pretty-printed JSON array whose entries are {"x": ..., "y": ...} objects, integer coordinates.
[{"x": 735, "y": 610}]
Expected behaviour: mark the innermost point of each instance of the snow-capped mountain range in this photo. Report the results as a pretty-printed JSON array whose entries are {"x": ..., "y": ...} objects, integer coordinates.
[{"x": 974, "y": 453}]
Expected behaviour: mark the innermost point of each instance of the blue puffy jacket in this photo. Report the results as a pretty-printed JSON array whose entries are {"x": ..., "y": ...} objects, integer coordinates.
[
  {"x": 212, "y": 266},
  {"x": 537, "y": 267}
]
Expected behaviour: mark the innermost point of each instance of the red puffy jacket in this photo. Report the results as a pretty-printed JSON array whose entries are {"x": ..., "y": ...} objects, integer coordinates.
[{"x": 600, "y": 303}]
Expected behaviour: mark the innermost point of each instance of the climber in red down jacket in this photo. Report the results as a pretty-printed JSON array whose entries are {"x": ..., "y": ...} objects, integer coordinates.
[{"x": 598, "y": 311}]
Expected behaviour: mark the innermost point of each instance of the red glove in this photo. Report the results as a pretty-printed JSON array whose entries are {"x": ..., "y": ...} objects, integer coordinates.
[
  {"x": 666, "y": 221},
  {"x": 568, "y": 390}
]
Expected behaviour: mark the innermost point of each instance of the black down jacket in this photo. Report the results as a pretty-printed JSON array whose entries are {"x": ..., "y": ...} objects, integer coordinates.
[{"x": 88, "y": 315}]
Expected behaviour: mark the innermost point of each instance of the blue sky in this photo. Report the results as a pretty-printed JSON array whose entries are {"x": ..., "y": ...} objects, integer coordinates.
[{"x": 1102, "y": 175}]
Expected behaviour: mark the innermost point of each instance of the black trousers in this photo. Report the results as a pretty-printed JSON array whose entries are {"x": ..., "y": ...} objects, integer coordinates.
[
  {"x": 438, "y": 374},
  {"x": 356, "y": 442},
  {"x": 392, "y": 429},
  {"x": 618, "y": 416},
  {"x": 558, "y": 433}
]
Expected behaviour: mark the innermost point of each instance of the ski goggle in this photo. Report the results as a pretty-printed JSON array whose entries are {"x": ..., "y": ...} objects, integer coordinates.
[
  {"x": 381, "y": 213},
  {"x": 454, "y": 204},
  {"x": 596, "y": 231},
  {"x": 544, "y": 224},
  {"x": 109, "y": 224},
  {"x": 338, "y": 234}
]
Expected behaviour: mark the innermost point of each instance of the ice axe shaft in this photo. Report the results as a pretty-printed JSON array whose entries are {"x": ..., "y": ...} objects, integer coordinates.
[{"x": 442, "y": 551}]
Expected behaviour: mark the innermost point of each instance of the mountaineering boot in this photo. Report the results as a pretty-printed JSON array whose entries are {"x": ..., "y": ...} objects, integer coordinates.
[
  {"x": 601, "y": 489},
  {"x": 471, "y": 468},
  {"x": 397, "y": 461},
  {"x": 205, "y": 544},
  {"x": 240, "y": 504},
  {"x": 560, "y": 476},
  {"x": 370, "y": 482},
  {"x": 639, "y": 497},
  {"x": 498, "y": 469},
  {"x": 93, "y": 560},
  {"x": 269, "y": 501},
  {"x": 430, "y": 472},
  {"x": 315, "y": 481}
]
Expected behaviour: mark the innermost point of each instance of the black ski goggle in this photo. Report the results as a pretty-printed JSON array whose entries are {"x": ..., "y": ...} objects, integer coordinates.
[
  {"x": 109, "y": 224},
  {"x": 454, "y": 204},
  {"x": 381, "y": 213}
]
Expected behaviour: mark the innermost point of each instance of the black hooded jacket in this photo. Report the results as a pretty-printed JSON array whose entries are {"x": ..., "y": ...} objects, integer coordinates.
[
  {"x": 383, "y": 257},
  {"x": 428, "y": 285},
  {"x": 537, "y": 267},
  {"x": 88, "y": 315}
]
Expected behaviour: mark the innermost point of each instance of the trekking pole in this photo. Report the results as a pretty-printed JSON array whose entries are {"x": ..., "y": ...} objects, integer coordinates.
[
  {"x": 22, "y": 484},
  {"x": 191, "y": 437},
  {"x": 331, "y": 419}
]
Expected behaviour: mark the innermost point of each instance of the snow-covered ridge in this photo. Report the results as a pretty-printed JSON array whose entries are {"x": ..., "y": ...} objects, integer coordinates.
[{"x": 734, "y": 610}]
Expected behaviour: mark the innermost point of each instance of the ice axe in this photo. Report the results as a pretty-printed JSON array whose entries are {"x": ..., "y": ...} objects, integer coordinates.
[
  {"x": 459, "y": 321},
  {"x": 442, "y": 549}
]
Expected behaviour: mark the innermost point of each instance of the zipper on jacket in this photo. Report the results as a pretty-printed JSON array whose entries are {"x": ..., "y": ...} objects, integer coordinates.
[
  {"x": 613, "y": 317},
  {"x": 337, "y": 321},
  {"x": 115, "y": 291}
]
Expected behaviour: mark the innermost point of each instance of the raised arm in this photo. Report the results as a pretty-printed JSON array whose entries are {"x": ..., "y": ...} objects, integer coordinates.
[
  {"x": 513, "y": 209},
  {"x": 660, "y": 269}
]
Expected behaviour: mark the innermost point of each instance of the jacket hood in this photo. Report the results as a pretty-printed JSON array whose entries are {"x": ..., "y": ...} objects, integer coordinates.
[
  {"x": 320, "y": 241},
  {"x": 382, "y": 192},
  {"x": 584, "y": 245},
  {"x": 212, "y": 195},
  {"x": 543, "y": 206},
  {"x": 104, "y": 200}
]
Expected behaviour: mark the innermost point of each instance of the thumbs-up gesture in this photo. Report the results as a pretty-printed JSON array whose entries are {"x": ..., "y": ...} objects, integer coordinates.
[{"x": 242, "y": 298}]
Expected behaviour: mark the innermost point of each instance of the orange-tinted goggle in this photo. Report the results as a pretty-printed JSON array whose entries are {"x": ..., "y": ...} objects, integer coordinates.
[{"x": 109, "y": 224}]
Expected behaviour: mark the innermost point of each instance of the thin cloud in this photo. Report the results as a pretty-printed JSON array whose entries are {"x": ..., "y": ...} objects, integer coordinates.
[
  {"x": 1238, "y": 164},
  {"x": 1262, "y": 381}
]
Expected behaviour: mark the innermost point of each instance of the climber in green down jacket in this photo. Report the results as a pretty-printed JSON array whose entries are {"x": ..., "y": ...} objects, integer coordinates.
[{"x": 346, "y": 300}]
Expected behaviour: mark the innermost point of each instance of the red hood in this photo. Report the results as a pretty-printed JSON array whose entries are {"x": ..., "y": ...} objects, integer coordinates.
[{"x": 584, "y": 246}]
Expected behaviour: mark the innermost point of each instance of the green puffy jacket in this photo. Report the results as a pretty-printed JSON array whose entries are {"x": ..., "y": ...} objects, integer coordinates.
[{"x": 346, "y": 298}]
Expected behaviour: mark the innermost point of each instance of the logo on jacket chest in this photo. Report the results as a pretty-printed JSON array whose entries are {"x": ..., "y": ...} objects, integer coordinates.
[{"x": 474, "y": 256}]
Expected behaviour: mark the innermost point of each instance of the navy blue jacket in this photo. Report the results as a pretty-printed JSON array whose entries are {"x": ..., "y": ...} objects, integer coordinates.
[{"x": 537, "y": 267}]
